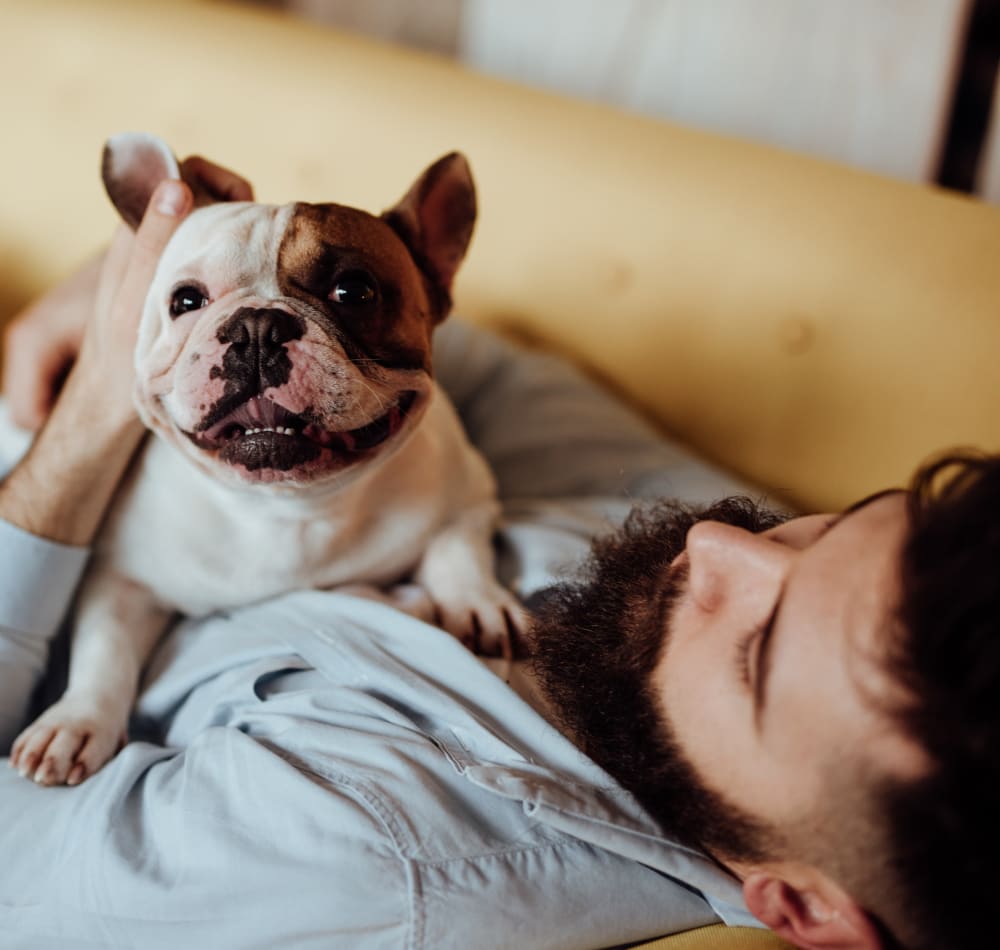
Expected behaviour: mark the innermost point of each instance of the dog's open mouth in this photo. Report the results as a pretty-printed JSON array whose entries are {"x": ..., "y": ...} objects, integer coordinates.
[{"x": 260, "y": 434}]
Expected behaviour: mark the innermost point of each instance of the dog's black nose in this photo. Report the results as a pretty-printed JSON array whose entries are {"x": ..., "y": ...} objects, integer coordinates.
[
  {"x": 264, "y": 328},
  {"x": 256, "y": 357}
]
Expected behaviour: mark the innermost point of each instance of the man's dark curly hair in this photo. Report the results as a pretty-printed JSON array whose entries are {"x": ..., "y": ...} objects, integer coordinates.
[{"x": 943, "y": 830}]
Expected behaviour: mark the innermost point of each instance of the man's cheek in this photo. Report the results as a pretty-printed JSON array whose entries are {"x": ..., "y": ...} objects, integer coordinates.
[{"x": 710, "y": 715}]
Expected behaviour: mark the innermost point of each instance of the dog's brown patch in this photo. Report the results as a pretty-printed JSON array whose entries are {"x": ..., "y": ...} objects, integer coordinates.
[{"x": 322, "y": 244}]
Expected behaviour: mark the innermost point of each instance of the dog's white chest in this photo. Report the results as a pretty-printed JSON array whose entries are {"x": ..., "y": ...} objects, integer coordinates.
[{"x": 200, "y": 546}]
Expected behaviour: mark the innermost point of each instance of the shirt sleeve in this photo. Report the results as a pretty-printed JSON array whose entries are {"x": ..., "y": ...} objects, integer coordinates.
[{"x": 37, "y": 581}]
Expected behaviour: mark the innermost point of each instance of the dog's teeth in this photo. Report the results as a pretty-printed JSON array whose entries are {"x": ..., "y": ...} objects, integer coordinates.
[{"x": 277, "y": 429}]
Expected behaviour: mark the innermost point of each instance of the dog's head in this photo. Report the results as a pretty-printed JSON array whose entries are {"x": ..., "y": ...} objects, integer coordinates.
[{"x": 285, "y": 345}]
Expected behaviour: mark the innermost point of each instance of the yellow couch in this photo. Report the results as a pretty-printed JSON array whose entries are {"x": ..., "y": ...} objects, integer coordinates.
[{"x": 817, "y": 330}]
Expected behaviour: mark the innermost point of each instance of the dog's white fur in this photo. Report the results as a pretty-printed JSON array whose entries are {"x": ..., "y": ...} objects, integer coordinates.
[{"x": 188, "y": 533}]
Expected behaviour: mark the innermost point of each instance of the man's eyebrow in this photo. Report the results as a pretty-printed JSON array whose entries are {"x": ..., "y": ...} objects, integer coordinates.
[{"x": 765, "y": 652}]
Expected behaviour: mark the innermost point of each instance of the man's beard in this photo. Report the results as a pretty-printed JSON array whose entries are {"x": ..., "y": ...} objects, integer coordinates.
[{"x": 596, "y": 641}]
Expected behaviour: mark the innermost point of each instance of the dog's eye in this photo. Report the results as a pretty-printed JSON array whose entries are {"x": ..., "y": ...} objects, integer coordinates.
[
  {"x": 187, "y": 298},
  {"x": 354, "y": 289}
]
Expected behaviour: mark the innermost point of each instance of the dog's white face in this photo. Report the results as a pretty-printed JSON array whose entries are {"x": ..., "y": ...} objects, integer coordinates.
[
  {"x": 287, "y": 346},
  {"x": 284, "y": 344}
]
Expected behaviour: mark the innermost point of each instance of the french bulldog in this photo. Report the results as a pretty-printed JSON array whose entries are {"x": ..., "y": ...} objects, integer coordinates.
[{"x": 283, "y": 367}]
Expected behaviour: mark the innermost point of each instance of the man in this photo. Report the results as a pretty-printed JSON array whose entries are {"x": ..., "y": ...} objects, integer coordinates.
[
  {"x": 814, "y": 702},
  {"x": 326, "y": 771}
]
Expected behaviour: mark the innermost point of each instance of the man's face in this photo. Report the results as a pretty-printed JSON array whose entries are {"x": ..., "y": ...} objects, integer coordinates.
[
  {"x": 723, "y": 673},
  {"x": 772, "y": 667}
]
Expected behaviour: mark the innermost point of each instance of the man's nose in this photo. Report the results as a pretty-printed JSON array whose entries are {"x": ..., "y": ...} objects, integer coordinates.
[{"x": 731, "y": 568}]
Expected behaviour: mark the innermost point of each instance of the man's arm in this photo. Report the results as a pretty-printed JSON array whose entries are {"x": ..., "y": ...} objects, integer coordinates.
[
  {"x": 52, "y": 503},
  {"x": 62, "y": 487}
]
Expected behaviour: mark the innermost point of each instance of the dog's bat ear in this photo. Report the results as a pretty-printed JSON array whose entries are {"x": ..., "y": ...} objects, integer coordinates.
[
  {"x": 211, "y": 183},
  {"x": 133, "y": 164},
  {"x": 436, "y": 216}
]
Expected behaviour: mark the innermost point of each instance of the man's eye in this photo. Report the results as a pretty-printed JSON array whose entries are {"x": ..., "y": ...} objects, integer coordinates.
[
  {"x": 354, "y": 289},
  {"x": 744, "y": 649},
  {"x": 187, "y": 298}
]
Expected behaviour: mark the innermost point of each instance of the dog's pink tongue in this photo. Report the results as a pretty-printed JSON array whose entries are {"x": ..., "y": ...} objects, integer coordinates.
[
  {"x": 256, "y": 412},
  {"x": 254, "y": 409},
  {"x": 262, "y": 412}
]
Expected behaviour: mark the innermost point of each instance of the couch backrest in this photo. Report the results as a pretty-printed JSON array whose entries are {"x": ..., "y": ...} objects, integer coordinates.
[{"x": 816, "y": 329}]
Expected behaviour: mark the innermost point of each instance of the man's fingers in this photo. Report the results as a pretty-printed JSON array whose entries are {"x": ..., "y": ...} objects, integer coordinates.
[
  {"x": 114, "y": 268},
  {"x": 41, "y": 343},
  {"x": 22, "y": 382},
  {"x": 220, "y": 183},
  {"x": 170, "y": 203},
  {"x": 32, "y": 370}
]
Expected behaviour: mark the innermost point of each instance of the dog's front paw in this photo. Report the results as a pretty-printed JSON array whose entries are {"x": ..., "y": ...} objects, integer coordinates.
[
  {"x": 486, "y": 617},
  {"x": 70, "y": 741}
]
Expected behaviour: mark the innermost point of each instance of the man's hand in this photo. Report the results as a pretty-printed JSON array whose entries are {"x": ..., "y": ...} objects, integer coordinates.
[
  {"x": 61, "y": 489},
  {"x": 42, "y": 342}
]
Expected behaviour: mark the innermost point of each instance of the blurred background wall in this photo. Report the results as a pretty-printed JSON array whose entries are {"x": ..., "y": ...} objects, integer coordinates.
[{"x": 907, "y": 88}]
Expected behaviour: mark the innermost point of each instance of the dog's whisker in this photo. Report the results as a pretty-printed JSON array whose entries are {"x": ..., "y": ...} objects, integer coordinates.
[{"x": 380, "y": 401}]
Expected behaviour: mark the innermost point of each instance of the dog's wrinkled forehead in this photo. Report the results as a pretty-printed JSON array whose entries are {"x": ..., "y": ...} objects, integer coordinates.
[
  {"x": 303, "y": 255},
  {"x": 320, "y": 238},
  {"x": 227, "y": 247}
]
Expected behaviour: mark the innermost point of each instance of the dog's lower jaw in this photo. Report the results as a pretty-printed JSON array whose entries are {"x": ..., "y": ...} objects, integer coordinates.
[
  {"x": 297, "y": 450},
  {"x": 262, "y": 449}
]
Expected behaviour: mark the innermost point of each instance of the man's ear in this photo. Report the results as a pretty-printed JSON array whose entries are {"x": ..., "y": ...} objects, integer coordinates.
[
  {"x": 435, "y": 218},
  {"x": 808, "y": 909},
  {"x": 133, "y": 164}
]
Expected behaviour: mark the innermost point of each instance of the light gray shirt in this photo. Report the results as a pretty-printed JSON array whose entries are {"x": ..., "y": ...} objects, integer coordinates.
[{"x": 322, "y": 771}]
